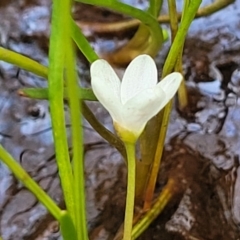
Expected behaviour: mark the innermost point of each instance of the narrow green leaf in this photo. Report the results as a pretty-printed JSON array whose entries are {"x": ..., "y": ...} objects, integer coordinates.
[
  {"x": 67, "y": 227},
  {"x": 42, "y": 93},
  {"x": 29, "y": 183}
]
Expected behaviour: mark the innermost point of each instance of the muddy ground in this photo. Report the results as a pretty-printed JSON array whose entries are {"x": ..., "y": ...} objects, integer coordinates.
[{"x": 202, "y": 146}]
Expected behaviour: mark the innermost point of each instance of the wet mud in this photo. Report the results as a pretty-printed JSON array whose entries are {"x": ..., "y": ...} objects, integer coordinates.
[{"x": 202, "y": 146}]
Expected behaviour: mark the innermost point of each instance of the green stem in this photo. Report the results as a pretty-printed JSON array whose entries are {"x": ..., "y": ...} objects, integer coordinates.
[
  {"x": 40, "y": 70},
  {"x": 148, "y": 138},
  {"x": 166, "y": 194},
  {"x": 148, "y": 145},
  {"x": 146, "y": 18},
  {"x": 155, "y": 7},
  {"x": 162, "y": 132},
  {"x": 168, "y": 67},
  {"x": 77, "y": 137},
  {"x": 23, "y": 62},
  {"x": 172, "y": 9},
  {"x": 182, "y": 91},
  {"x": 29, "y": 183},
  {"x": 42, "y": 93},
  {"x": 180, "y": 37},
  {"x": 58, "y": 38},
  {"x": 129, "y": 210},
  {"x": 83, "y": 43},
  {"x": 67, "y": 227},
  {"x": 157, "y": 157},
  {"x": 151, "y": 8},
  {"x": 102, "y": 131},
  {"x": 140, "y": 43}
]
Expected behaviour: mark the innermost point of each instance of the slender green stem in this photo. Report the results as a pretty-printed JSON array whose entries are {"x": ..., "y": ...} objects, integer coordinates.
[
  {"x": 148, "y": 145},
  {"x": 77, "y": 137},
  {"x": 140, "y": 43},
  {"x": 172, "y": 9},
  {"x": 180, "y": 37},
  {"x": 168, "y": 67},
  {"x": 23, "y": 176},
  {"x": 146, "y": 18},
  {"x": 158, "y": 8},
  {"x": 40, "y": 70},
  {"x": 83, "y": 43},
  {"x": 23, "y": 62},
  {"x": 166, "y": 194},
  {"x": 42, "y": 93},
  {"x": 154, "y": 137},
  {"x": 102, "y": 131},
  {"x": 155, "y": 7},
  {"x": 151, "y": 8},
  {"x": 162, "y": 131},
  {"x": 157, "y": 158},
  {"x": 182, "y": 91},
  {"x": 60, "y": 10},
  {"x": 129, "y": 210},
  {"x": 185, "y": 8},
  {"x": 67, "y": 227}
]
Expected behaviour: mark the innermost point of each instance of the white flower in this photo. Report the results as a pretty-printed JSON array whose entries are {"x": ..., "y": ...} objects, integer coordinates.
[{"x": 134, "y": 101}]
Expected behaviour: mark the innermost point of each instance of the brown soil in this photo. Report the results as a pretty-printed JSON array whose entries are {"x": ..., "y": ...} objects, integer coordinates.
[{"x": 202, "y": 148}]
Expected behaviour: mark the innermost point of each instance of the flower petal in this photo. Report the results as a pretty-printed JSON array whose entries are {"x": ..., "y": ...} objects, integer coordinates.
[
  {"x": 170, "y": 84},
  {"x": 138, "y": 110},
  {"x": 106, "y": 86},
  {"x": 141, "y": 74}
]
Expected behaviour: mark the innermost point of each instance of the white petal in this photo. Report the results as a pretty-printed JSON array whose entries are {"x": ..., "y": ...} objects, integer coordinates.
[
  {"x": 141, "y": 74},
  {"x": 106, "y": 87},
  {"x": 170, "y": 84},
  {"x": 138, "y": 110}
]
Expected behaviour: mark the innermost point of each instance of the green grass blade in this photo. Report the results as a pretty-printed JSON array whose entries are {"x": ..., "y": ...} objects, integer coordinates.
[
  {"x": 77, "y": 138},
  {"x": 83, "y": 43},
  {"x": 60, "y": 10},
  {"x": 29, "y": 183},
  {"x": 42, "y": 93},
  {"x": 67, "y": 227},
  {"x": 23, "y": 62}
]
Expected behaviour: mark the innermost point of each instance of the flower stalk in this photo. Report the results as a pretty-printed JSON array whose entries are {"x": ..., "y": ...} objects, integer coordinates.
[
  {"x": 131, "y": 103},
  {"x": 129, "y": 210}
]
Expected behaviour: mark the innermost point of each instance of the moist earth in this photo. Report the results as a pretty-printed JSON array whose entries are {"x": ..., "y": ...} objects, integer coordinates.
[{"x": 202, "y": 144}]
